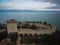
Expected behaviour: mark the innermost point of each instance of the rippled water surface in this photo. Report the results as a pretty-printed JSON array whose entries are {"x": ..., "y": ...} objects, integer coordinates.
[{"x": 50, "y": 17}]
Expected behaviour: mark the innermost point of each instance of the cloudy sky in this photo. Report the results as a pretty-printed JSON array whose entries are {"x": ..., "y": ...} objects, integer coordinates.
[{"x": 30, "y": 4}]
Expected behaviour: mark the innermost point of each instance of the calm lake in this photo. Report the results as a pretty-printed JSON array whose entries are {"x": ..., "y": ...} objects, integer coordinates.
[{"x": 52, "y": 17}]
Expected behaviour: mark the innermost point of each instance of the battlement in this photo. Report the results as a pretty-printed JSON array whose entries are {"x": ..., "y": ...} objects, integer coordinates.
[{"x": 30, "y": 27}]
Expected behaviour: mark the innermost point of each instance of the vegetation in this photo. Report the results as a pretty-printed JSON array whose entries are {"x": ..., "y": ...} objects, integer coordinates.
[
  {"x": 49, "y": 24},
  {"x": 2, "y": 26},
  {"x": 13, "y": 36},
  {"x": 19, "y": 22},
  {"x": 51, "y": 39},
  {"x": 33, "y": 26},
  {"x": 45, "y": 23},
  {"x": 3, "y": 35},
  {"x": 26, "y": 26}
]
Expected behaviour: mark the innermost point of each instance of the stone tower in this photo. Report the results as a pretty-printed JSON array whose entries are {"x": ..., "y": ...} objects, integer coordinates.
[{"x": 12, "y": 26}]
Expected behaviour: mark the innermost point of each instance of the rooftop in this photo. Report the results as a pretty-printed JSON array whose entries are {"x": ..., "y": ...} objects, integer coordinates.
[{"x": 11, "y": 21}]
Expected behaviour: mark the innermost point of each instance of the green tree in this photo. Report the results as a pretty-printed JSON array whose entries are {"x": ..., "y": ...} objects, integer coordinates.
[
  {"x": 2, "y": 26},
  {"x": 40, "y": 22},
  {"x": 33, "y": 26},
  {"x": 45, "y": 23},
  {"x": 26, "y": 26},
  {"x": 19, "y": 22}
]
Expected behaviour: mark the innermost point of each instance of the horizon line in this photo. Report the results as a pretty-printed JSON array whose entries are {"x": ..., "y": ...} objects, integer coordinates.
[{"x": 11, "y": 10}]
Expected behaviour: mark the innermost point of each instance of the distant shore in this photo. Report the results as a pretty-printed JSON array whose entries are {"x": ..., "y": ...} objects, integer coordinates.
[{"x": 27, "y": 11}]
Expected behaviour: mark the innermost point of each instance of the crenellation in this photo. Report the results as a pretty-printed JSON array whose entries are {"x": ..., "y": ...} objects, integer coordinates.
[{"x": 41, "y": 28}]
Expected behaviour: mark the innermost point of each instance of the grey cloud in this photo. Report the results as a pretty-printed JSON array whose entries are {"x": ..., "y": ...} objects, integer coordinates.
[
  {"x": 57, "y": 2},
  {"x": 52, "y": 1}
]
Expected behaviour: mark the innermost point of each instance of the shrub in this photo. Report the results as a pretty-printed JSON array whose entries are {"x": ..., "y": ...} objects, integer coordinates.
[
  {"x": 33, "y": 26},
  {"x": 13, "y": 36}
]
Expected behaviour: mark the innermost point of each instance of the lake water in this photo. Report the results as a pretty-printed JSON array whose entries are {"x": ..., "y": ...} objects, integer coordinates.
[{"x": 52, "y": 17}]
